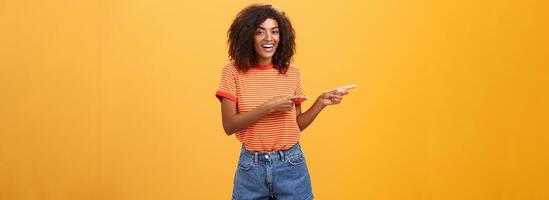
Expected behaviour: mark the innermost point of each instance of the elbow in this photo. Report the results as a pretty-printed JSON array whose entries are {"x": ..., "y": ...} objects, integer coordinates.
[
  {"x": 228, "y": 132},
  {"x": 300, "y": 124},
  {"x": 228, "y": 129},
  {"x": 301, "y": 128}
]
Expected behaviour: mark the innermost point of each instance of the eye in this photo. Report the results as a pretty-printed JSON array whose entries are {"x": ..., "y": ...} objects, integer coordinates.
[
  {"x": 275, "y": 32},
  {"x": 259, "y": 33}
]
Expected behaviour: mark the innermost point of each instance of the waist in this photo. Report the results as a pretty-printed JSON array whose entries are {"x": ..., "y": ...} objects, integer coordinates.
[
  {"x": 295, "y": 149},
  {"x": 266, "y": 141}
]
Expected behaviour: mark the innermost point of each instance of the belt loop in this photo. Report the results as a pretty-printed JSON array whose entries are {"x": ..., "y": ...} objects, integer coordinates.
[
  {"x": 281, "y": 152},
  {"x": 255, "y": 158}
]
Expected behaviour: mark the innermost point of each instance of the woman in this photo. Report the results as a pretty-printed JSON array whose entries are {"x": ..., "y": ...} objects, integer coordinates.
[{"x": 261, "y": 96}]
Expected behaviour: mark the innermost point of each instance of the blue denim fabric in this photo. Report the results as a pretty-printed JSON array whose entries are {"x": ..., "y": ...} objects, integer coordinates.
[{"x": 282, "y": 175}]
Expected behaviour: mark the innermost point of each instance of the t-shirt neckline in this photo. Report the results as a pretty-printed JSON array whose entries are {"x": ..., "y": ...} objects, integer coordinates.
[{"x": 264, "y": 67}]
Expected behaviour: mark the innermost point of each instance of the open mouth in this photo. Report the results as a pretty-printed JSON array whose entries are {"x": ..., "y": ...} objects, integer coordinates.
[{"x": 268, "y": 47}]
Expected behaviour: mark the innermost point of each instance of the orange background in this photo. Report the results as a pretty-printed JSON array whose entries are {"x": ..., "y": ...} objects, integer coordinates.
[{"x": 115, "y": 99}]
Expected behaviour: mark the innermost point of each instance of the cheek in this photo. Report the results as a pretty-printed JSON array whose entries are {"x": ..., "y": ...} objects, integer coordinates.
[
  {"x": 256, "y": 45},
  {"x": 257, "y": 40},
  {"x": 277, "y": 39},
  {"x": 257, "y": 49}
]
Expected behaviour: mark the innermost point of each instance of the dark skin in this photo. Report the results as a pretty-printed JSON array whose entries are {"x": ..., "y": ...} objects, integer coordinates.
[
  {"x": 267, "y": 33},
  {"x": 234, "y": 121}
]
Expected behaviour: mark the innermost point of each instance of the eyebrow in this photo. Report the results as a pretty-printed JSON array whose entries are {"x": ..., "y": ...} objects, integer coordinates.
[{"x": 266, "y": 28}]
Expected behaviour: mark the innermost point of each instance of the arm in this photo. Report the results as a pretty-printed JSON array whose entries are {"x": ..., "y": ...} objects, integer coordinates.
[
  {"x": 305, "y": 119},
  {"x": 234, "y": 121}
]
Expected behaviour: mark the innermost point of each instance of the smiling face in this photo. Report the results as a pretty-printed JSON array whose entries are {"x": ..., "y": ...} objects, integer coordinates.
[{"x": 266, "y": 38}]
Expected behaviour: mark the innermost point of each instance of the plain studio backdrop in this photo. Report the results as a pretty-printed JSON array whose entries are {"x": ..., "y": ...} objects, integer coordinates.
[{"x": 115, "y": 99}]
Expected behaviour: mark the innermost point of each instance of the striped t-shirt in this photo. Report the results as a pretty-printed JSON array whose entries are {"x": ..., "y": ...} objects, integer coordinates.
[{"x": 277, "y": 130}]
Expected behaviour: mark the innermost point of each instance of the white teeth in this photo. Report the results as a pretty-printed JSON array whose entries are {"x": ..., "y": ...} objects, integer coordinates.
[{"x": 267, "y": 45}]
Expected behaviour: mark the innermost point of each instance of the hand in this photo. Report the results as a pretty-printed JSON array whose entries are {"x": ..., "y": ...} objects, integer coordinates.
[
  {"x": 282, "y": 103},
  {"x": 332, "y": 97}
]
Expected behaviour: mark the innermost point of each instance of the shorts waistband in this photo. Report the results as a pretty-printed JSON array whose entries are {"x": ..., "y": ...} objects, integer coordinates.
[{"x": 282, "y": 154}]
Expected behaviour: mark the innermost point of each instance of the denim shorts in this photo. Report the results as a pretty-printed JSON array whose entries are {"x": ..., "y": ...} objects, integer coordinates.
[{"x": 281, "y": 175}]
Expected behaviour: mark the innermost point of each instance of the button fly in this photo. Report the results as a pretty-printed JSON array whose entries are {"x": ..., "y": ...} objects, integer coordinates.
[{"x": 267, "y": 156}]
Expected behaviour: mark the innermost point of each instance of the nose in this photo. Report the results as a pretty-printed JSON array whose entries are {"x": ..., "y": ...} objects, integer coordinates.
[{"x": 268, "y": 37}]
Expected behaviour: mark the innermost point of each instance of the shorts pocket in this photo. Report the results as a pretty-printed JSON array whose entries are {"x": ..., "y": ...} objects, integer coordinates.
[
  {"x": 296, "y": 159},
  {"x": 245, "y": 162}
]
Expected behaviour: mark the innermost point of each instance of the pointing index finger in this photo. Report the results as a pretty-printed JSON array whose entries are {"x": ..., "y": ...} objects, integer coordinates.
[{"x": 341, "y": 89}]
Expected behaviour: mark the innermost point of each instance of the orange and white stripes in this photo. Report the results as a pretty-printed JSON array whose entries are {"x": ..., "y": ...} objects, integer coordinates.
[{"x": 275, "y": 131}]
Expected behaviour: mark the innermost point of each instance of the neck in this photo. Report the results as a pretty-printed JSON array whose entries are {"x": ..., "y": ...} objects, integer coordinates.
[{"x": 264, "y": 61}]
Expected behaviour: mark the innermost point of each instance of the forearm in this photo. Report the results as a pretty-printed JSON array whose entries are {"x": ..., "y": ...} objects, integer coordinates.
[
  {"x": 306, "y": 118},
  {"x": 243, "y": 120}
]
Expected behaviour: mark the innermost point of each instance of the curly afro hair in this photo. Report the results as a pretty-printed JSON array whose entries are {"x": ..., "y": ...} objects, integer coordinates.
[{"x": 241, "y": 37}]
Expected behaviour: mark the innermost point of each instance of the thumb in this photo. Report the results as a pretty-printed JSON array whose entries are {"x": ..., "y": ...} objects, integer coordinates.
[{"x": 293, "y": 98}]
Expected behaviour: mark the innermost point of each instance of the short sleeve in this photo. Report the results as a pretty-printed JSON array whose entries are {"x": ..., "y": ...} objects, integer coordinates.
[
  {"x": 298, "y": 89},
  {"x": 227, "y": 85}
]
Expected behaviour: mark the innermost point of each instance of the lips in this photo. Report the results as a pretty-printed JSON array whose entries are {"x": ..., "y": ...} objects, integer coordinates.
[{"x": 268, "y": 47}]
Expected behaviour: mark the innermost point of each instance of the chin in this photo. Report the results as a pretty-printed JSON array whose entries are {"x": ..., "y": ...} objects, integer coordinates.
[{"x": 267, "y": 56}]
